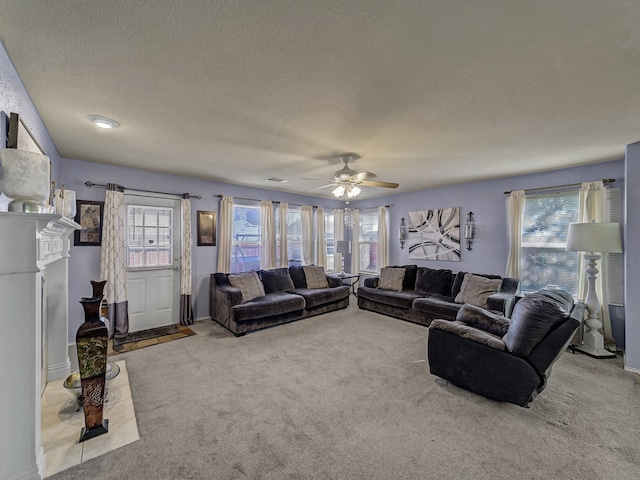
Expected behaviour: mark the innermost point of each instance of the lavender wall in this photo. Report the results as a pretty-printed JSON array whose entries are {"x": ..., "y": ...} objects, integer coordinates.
[
  {"x": 632, "y": 258},
  {"x": 84, "y": 264},
  {"x": 14, "y": 98}
]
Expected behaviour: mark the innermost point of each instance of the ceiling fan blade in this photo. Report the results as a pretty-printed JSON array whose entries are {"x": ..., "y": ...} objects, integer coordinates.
[
  {"x": 362, "y": 176},
  {"x": 374, "y": 183},
  {"x": 323, "y": 186}
]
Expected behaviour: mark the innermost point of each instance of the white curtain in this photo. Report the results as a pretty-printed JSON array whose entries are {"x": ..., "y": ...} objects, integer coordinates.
[
  {"x": 268, "y": 244},
  {"x": 322, "y": 238},
  {"x": 355, "y": 243},
  {"x": 283, "y": 227},
  {"x": 307, "y": 234},
  {"x": 113, "y": 261},
  {"x": 515, "y": 218},
  {"x": 383, "y": 238},
  {"x": 225, "y": 239},
  {"x": 338, "y": 233},
  {"x": 186, "y": 310},
  {"x": 593, "y": 207}
]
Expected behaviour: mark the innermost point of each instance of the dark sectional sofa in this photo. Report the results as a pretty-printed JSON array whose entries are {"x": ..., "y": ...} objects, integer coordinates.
[
  {"x": 428, "y": 294},
  {"x": 286, "y": 299}
]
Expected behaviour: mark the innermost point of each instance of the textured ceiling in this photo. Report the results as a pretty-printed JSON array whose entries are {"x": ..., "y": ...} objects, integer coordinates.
[{"x": 428, "y": 93}]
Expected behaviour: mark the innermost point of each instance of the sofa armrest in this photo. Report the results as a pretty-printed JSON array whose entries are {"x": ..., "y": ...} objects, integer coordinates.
[
  {"x": 371, "y": 282},
  {"x": 222, "y": 298},
  {"x": 484, "y": 320},
  {"x": 469, "y": 333},
  {"x": 502, "y": 302}
]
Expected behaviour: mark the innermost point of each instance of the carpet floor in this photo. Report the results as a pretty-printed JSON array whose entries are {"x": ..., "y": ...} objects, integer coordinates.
[{"x": 348, "y": 395}]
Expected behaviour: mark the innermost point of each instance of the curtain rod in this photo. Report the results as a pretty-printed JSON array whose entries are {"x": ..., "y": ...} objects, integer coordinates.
[
  {"x": 297, "y": 204},
  {"x": 604, "y": 180},
  {"x": 91, "y": 184}
]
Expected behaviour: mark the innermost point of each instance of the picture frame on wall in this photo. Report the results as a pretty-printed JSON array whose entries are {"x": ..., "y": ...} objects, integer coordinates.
[
  {"x": 20, "y": 137},
  {"x": 89, "y": 214},
  {"x": 206, "y": 228}
]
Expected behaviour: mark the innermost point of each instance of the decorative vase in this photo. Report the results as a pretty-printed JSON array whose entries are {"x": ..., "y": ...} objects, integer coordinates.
[
  {"x": 65, "y": 202},
  {"x": 91, "y": 343},
  {"x": 98, "y": 289},
  {"x": 25, "y": 180}
]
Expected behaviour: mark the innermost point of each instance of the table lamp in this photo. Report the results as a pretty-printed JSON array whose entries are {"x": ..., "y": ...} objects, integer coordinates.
[{"x": 343, "y": 247}]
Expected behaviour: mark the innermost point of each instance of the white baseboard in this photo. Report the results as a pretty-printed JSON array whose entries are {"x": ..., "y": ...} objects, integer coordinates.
[
  {"x": 632, "y": 370},
  {"x": 29, "y": 473},
  {"x": 59, "y": 371}
]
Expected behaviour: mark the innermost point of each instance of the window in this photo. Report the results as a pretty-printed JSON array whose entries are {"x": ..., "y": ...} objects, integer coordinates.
[
  {"x": 246, "y": 239},
  {"x": 544, "y": 259},
  {"x": 368, "y": 242},
  {"x": 329, "y": 231},
  {"x": 149, "y": 236}
]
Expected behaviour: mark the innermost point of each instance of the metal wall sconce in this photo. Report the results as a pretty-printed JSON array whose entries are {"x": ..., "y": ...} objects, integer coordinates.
[
  {"x": 470, "y": 230},
  {"x": 404, "y": 233}
]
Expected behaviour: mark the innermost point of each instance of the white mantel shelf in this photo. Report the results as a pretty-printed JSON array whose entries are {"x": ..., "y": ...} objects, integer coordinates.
[{"x": 34, "y": 272}]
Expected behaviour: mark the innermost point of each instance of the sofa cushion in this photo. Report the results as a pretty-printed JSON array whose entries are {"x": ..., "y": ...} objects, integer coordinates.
[
  {"x": 391, "y": 278},
  {"x": 315, "y": 277},
  {"x": 315, "y": 297},
  {"x": 276, "y": 280},
  {"x": 402, "y": 299},
  {"x": 297, "y": 275},
  {"x": 429, "y": 280},
  {"x": 534, "y": 316},
  {"x": 459, "y": 278},
  {"x": 410, "y": 272},
  {"x": 437, "y": 306},
  {"x": 476, "y": 290},
  {"x": 249, "y": 284},
  {"x": 276, "y": 303}
]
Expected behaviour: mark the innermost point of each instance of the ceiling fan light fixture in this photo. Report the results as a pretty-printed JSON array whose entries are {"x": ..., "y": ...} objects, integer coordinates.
[
  {"x": 338, "y": 192},
  {"x": 103, "y": 122},
  {"x": 353, "y": 191}
]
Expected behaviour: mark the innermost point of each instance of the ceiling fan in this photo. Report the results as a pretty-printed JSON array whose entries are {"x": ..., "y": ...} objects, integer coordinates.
[{"x": 347, "y": 180}]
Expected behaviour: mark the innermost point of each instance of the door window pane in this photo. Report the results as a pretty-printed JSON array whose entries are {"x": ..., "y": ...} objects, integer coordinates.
[{"x": 149, "y": 236}]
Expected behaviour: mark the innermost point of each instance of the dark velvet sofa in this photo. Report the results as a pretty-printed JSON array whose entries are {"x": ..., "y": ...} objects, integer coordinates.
[
  {"x": 428, "y": 294},
  {"x": 287, "y": 298},
  {"x": 509, "y": 360}
]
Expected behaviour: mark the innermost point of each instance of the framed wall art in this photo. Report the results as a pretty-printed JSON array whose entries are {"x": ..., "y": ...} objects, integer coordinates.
[
  {"x": 435, "y": 234},
  {"x": 206, "y": 228},
  {"x": 89, "y": 215}
]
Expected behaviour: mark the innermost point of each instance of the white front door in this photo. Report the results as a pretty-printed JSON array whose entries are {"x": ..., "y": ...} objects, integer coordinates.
[{"x": 153, "y": 269}]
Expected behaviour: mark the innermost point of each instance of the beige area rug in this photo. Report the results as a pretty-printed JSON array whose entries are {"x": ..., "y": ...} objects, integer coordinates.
[
  {"x": 348, "y": 395},
  {"x": 62, "y": 422}
]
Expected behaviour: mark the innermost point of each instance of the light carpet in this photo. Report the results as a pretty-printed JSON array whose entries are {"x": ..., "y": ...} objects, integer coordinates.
[{"x": 348, "y": 395}]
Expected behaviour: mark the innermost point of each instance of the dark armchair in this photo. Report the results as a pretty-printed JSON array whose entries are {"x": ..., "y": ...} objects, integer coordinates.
[{"x": 509, "y": 360}]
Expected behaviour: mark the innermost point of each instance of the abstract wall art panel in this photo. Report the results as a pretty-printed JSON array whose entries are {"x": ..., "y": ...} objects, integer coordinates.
[{"x": 435, "y": 234}]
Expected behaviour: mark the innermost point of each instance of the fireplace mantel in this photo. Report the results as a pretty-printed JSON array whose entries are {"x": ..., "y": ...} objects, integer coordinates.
[{"x": 34, "y": 252}]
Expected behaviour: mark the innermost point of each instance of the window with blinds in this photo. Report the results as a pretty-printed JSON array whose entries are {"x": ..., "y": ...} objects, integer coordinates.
[{"x": 615, "y": 261}]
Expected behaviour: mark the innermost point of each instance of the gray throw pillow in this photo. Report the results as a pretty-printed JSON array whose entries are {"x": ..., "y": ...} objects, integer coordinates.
[
  {"x": 315, "y": 277},
  {"x": 476, "y": 290},
  {"x": 249, "y": 284},
  {"x": 391, "y": 279}
]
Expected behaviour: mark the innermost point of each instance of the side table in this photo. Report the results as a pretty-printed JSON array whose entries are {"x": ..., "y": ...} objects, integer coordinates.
[{"x": 350, "y": 279}]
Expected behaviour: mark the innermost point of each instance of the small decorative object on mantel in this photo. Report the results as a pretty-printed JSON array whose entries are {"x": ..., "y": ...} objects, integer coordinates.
[
  {"x": 91, "y": 344},
  {"x": 65, "y": 202},
  {"x": 470, "y": 230}
]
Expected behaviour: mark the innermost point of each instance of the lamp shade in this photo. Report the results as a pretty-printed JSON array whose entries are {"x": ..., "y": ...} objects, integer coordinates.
[
  {"x": 25, "y": 179},
  {"x": 343, "y": 246},
  {"x": 603, "y": 237}
]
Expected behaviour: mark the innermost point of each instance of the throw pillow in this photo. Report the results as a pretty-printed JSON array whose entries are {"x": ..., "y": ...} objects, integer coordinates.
[
  {"x": 459, "y": 278},
  {"x": 249, "y": 284},
  {"x": 429, "y": 280},
  {"x": 315, "y": 277},
  {"x": 476, "y": 290},
  {"x": 276, "y": 280},
  {"x": 391, "y": 278}
]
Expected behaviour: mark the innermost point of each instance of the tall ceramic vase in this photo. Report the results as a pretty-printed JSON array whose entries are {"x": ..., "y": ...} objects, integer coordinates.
[
  {"x": 98, "y": 289},
  {"x": 91, "y": 343}
]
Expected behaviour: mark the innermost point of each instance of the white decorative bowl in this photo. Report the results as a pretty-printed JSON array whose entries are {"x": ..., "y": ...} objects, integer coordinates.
[{"x": 26, "y": 177}]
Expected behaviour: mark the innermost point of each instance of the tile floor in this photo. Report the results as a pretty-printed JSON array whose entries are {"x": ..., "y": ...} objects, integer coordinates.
[{"x": 62, "y": 423}]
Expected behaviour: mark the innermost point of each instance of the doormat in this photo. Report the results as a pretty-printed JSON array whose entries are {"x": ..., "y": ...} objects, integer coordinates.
[{"x": 147, "y": 334}]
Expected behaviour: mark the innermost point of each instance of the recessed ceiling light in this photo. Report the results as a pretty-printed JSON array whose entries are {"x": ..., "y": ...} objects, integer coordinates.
[{"x": 103, "y": 122}]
